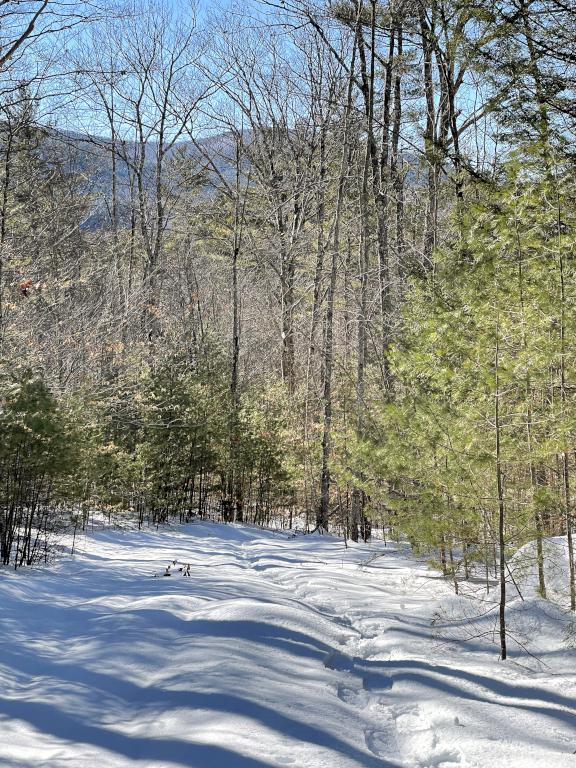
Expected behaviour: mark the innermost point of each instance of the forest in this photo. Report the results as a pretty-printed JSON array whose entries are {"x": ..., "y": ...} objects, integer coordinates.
[{"x": 300, "y": 261}]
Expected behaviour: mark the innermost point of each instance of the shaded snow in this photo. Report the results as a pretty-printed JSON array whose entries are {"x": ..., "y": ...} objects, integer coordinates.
[{"x": 276, "y": 652}]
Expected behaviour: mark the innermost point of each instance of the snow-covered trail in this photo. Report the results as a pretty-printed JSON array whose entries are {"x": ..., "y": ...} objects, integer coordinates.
[{"x": 275, "y": 652}]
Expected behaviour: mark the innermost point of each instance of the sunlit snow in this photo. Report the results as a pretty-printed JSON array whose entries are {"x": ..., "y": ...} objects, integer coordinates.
[{"x": 277, "y": 651}]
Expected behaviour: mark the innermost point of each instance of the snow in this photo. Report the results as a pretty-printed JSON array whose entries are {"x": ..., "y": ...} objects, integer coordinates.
[
  {"x": 277, "y": 651},
  {"x": 525, "y": 571}
]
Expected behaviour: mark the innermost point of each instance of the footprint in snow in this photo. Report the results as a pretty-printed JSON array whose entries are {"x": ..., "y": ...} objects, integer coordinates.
[
  {"x": 379, "y": 742},
  {"x": 338, "y": 661},
  {"x": 375, "y": 682},
  {"x": 354, "y": 696},
  {"x": 444, "y": 758},
  {"x": 420, "y": 742}
]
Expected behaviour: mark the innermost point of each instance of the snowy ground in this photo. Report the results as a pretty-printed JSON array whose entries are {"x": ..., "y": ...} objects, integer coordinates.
[{"x": 276, "y": 652}]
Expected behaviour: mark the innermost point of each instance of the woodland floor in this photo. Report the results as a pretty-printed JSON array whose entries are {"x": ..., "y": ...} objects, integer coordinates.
[{"x": 277, "y": 651}]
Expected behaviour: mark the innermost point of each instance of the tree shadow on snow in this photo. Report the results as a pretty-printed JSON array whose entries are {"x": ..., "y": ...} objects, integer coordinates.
[
  {"x": 49, "y": 720},
  {"x": 120, "y": 698},
  {"x": 383, "y": 675}
]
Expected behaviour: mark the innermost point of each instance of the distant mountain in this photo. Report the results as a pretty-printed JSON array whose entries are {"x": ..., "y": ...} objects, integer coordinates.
[{"x": 90, "y": 158}]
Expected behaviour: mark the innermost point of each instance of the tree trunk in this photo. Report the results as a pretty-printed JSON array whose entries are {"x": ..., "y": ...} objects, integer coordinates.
[{"x": 501, "y": 507}]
